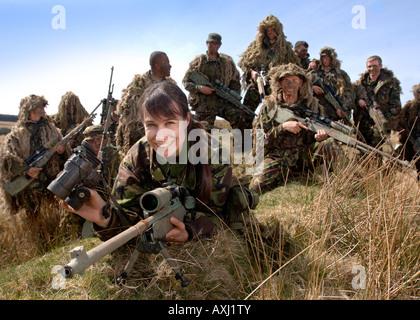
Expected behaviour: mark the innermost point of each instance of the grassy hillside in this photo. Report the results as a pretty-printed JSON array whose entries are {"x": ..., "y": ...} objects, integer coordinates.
[{"x": 352, "y": 235}]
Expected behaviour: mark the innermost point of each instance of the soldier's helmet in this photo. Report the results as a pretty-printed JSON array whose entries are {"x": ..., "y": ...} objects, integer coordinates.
[
  {"x": 93, "y": 132},
  {"x": 29, "y": 103},
  {"x": 328, "y": 51},
  {"x": 277, "y": 73}
]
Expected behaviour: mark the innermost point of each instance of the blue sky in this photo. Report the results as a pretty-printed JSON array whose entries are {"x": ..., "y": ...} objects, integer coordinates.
[{"x": 37, "y": 58}]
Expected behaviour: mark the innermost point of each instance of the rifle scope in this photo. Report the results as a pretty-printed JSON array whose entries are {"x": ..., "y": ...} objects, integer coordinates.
[{"x": 155, "y": 200}]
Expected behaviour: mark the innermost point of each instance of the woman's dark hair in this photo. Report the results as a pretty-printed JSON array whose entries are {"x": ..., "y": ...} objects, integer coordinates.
[{"x": 165, "y": 100}]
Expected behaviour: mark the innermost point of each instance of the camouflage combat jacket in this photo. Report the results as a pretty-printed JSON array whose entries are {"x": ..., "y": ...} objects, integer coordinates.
[
  {"x": 282, "y": 144},
  {"x": 140, "y": 172},
  {"x": 222, "y": 69},
  {"x": 385, "y": 92}
]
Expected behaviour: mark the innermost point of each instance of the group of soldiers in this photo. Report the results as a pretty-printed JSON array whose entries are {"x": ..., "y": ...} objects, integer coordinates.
[{"x": 274, "y": 74}]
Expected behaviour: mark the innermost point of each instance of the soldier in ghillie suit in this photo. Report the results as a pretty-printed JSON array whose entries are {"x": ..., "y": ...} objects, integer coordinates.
[
  {"x": 329, "y": 72},
  {"x": 33, "y": 130},
  {"x": 269, "y": 49},
  {"x": 301, "y": 51},
  {"x": 410, "y": 122},
  {"x": 130, "y": 129},
  {"x": 111, "y": 155},
  {"x": 203, "y": 100},
  {"x": 378, "y": 88},
  {"x": 70, "y": 113},
  {"x": 288, "y": 146}
]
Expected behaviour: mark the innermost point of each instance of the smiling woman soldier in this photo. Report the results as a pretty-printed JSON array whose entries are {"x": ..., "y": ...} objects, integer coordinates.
[{"x": 163, "y": 111}]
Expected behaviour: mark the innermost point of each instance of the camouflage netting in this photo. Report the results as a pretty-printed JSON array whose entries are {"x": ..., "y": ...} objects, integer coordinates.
[
  {"x": 255, "y": 54},
  {"x": 70, "y": 113},
  {"x": 305, "y": 91}
]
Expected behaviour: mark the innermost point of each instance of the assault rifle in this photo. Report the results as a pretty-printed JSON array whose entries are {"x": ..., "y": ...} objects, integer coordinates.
[
  {"x": 262, "y": 81},
  {"x": 41, "y": 156},
  {"x": 331, "y": 96},
  {"x": 158, "y": 206},
  {"x": 223, "y": 91},
  {"x": 314, "y": 122}
]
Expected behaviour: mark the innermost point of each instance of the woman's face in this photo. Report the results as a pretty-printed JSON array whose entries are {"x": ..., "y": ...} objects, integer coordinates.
[{"x": 166, "y": 135}]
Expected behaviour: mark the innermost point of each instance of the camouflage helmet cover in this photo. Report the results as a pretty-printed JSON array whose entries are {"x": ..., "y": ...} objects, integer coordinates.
[{"x": 93, "y": 132}]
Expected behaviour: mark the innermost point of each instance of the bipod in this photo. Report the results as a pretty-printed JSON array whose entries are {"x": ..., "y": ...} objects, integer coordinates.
[{"x": 152, "y": 247}]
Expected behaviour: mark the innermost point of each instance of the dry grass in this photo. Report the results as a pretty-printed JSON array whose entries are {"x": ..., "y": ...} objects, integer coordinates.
[{"x": 312, "y": 240}]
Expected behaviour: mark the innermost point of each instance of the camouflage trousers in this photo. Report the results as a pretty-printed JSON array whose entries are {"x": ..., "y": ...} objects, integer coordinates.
[{"x": 296, "y": 162}]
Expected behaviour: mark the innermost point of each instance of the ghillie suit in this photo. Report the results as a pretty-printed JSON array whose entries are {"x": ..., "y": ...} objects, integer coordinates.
[
  {"x": 207, "y": 107},
  {"x": 410, "y": 120},
  {"x": 24, "y": 139},
  {"x": 385, "y": 92},
  {"x": 262, "y": 52},
  {"x": 130, "y": 128},
  {"x": 339, "y": 80},
  {"x": 284, "y": 150},
  {"x": 70, "y": 113}
]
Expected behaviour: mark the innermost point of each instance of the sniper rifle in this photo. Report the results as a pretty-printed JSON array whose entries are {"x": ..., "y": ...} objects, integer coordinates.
[
  {"x": 314, "y": 122},
  {"x": 158, "y": 206}
]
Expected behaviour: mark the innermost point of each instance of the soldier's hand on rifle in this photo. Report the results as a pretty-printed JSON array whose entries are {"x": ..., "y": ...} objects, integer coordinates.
[
  {"x": 34, "y": 172},
  {"x": 178, "y": 233},
  {"x": 321, "y": 135},
  {"x": 362, "y": 103},
  {"x": 318, "y": 90},
  {"x": 91, "y": 209},
  {"x": 60, "y": 149},
  {"x": 294, "y": 126},
  {"x": 207, "y": 90},
  {"x": 254, "y": 75}
]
